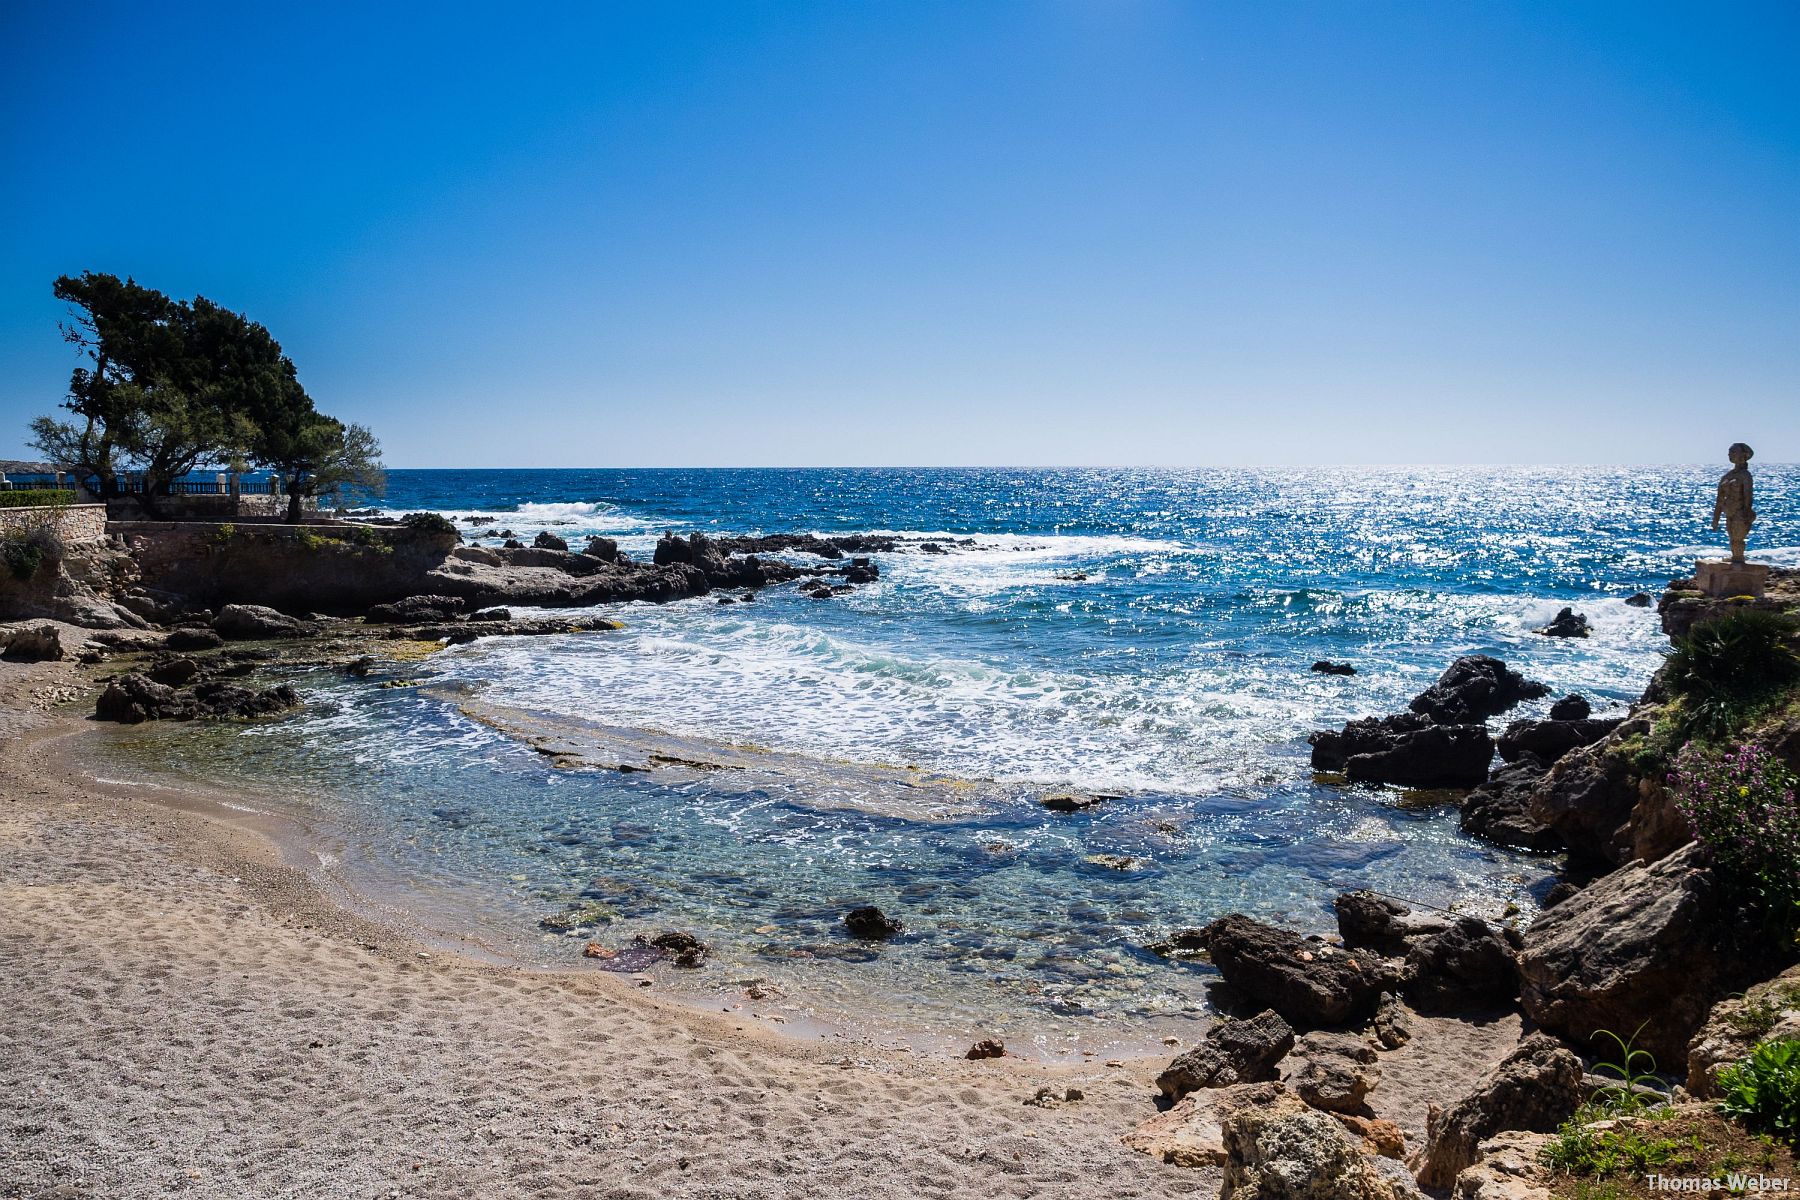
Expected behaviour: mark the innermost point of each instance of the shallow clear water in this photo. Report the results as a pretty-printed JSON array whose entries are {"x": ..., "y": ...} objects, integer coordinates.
[{"x": 1175, "y": 672}]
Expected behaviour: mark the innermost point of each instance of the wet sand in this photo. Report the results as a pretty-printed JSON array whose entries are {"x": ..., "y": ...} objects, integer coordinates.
[{"x": 185, "y": 1011}]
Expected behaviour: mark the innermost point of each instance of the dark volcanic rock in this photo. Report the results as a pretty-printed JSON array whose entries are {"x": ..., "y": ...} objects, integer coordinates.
[
  {"x": 250, "y": 622},
  {"x": 1381, "y": 923},
  {"x": 1305, "y": 980},
  {"x": 131, "y": 699},
  {"x": 1232, "y": 1052},
  {"x": 415, "y": 609},
  {"x": 871, "y": 923},
  {"x": 1550, "y": 740},
  {"x": 549, "y": 541},
  {"x": 193, "y": 637},
  {"x": 1497, "y": 810},
  {"x": 1648, "y": 948},
  {"x": 1474, "y": 688},
  {"x": 1639, "y": 600},
  {"x": 1573, "y": 707},
  {"x": 1326, "y": 667},
  {"x": 1537, "y": 1087},
  {"x": 1587, "y": 798},
  {"x": 1567, "y": 623},
  {"x": 1469, "y": 965},
  {"x": 1445, "y": 756},
  {"x": 603, "y": 548},
  {"x": 1369, "y": 735}
]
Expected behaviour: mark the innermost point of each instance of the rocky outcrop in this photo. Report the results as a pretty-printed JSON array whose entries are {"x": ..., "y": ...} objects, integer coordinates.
[
  {"x": 1548, "y": 741},
  {"x": 193, "y": 637},
  {"x": 1586, "y": 798},
  {"x": 414, "y": 610},
  {"x": 1499, "y": 810},
  {"x": 41, "y": 643},
  {"x": 1566, "y": 623},
  {"x": 1509, "y": 1166},
  {"x": 1473, "y": 689},
  {"x": 131, "y": 699},
  {"x": 549, "y": 541},
  {"x": 253, "y": 622},
  {"x": 1334, "y": 1071},
  {"x": 1326, "y": 667},
  {"x": 1190, "y": 1133},
  {"x": 1232, "y": 1052},
  {"x": 1332, "y": 750},
  {"x": 1573, "y": 707},
  {"x": 1306, "y": 980},
  {"x": 1382, "y": 923},
  {"x": 1768, "y": 1011},
  {"x": 602, "y": 548},
  {"x": 1439, "y": 756},
  {"x": 1647, "y": 948},
  {"x": 1535, "y": 1088},
  {"x": 1282, "y": 1149},
  {"x": 1466, "y": 966}
]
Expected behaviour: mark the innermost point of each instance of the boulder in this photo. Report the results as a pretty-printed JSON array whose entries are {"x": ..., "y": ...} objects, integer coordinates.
[
  {"x": 1382, "y": 923},
  {"x": 1326, "y": 667},
  {"x": 1639, "y": 600},
  {"x": 228, "y": 700},
  {"x": 1191, "y": 1132},
  {"x": 1536, "y": 1088},
  {"x": 548, "y": 541},
  {"x": 250, "y": 622},
  {"x": 1232, "y": 1052},
  {"x": 1283, "y": 1149},
  {"x": 1440, "y": 756},
  {"x": 1645, "y": 949},
  {"x": 492, "y": 614},
  {"x": 1548, "y": 741},
  {"x": 1769, "y": 1011},
  {"x": 40, "y": 644},
  {"x": 1573, "y": 707},
  {"x": 132, "y": 699},
  {"x": 193, "y": 637},
  {"x": 1367, "y": 735},
  {"x": 1470, "y": 965},
  {"x": 1510, "y": 1167},
  {"x": 1566, "y": 623},
  {"x": 1392, "y": 1027},
  {"x": 1587, "y": 798},
  {"x": 477, "y": 554},
  {"x": 1474, "y": 688},
  {"x": 415, "y": 609},
  {"x": 603, "y": 548},
  {"x": 871, "y": 924},
  {"x": 1498, "y": 809},
  {"x": 1307, "y": 981},
  {"x": 1334, "y": 1071},
  {"x": 176, "y": 672},
  {"x": 987, "y": 1048}
]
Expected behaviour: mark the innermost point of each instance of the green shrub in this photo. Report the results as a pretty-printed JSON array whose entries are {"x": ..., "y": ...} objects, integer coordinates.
[
  {"x": 1724, "y": 669},
  {"x": 1763, "y": 1091},
  {"x": 37, "y": 498},
  {"x": 1741, "y": 805},
  {"x": 429, "y": 525},
  {"x": 26, "y": 553}
]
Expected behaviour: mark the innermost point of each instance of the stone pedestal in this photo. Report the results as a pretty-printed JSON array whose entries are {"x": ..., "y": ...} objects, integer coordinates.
[{"x": 1719, "y": 578}]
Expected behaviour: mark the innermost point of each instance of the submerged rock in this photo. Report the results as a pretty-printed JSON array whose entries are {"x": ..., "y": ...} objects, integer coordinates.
[
  {"x": 682, "y": 949},
  {"x": 1231, "y": 1052},
  {"x": 1326, "y": 667},
  {"x": 871, "y": 924}
]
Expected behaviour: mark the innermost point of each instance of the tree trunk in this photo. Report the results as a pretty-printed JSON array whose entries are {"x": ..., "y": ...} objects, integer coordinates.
[{"x": 294, "y": 512}]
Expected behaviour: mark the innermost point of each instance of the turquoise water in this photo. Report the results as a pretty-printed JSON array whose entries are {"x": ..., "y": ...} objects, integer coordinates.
[{"x": 1174, "y": 674}]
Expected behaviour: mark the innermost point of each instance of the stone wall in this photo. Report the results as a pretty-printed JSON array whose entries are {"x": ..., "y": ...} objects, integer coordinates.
[
  {"x": 75, "y": 524},
  {"x": 340, "y": 568}
]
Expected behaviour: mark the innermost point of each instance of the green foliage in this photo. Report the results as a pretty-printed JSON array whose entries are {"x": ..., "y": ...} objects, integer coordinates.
[
  {"x": 429, "y": 525},
  {"x": 1629, "y": 1150},
  {"x": 1724, "y": 670},
  {"x": 1760, "y": 1014},
  {"x": 1743, "y": 807},
  {"x": 37, "y": 498},
  {"x": 1763, "y": 1091},
  {"x": 1634, "y": 1071},
  {"x": 24, "y": 554},
  {"x": 172, "y": 384},
  {"x": 1583, "y": 1151}
]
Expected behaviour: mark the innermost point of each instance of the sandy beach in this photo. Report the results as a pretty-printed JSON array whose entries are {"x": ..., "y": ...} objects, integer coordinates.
[{"x": 184, "y": 1013}]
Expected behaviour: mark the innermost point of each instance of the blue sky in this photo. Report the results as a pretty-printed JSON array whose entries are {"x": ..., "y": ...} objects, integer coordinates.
[{"x": 960, "y": 233}]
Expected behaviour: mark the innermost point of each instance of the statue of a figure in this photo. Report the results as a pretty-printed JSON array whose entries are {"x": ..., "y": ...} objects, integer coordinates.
[{"x": 1736, "y": 500}]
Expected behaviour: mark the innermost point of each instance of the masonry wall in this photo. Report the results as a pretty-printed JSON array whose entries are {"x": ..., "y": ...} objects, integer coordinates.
[{"x": 75, "y": 524}]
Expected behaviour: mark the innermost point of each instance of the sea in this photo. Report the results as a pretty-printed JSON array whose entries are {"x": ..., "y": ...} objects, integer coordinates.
[{"x": 1144, "y": 635}]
